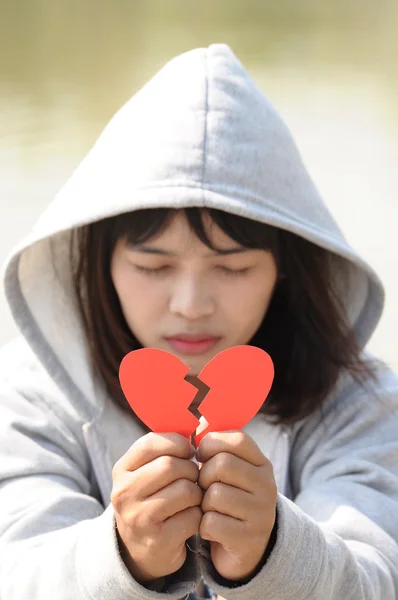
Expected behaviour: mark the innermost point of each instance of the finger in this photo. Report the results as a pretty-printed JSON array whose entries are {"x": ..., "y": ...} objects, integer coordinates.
[
  {"x": 160, "y": 473},
  {"x": 235, "y": 442},
  {"x": 223, "y": 529},
  {"x": 182, "y": 525},
  {"x": 174, "y": 498},
  {"x": 230, "y": 501},
  {"x": 151, "y": 446},
  {"x": 235, "y": 471}
]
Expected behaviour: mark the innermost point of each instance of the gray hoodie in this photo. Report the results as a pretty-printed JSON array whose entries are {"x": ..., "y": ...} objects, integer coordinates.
[{"x": 200, "y": 133}]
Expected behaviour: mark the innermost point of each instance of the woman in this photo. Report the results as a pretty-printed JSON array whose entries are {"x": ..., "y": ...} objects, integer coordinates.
[{"x": 192, "y": 226}]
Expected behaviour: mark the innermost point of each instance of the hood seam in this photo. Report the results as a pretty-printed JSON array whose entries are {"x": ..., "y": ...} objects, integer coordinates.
[{"x": 205, "y": 123}]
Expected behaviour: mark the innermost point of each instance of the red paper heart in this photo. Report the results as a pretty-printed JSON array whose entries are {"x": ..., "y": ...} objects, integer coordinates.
[{"x": 239, "y": 378}]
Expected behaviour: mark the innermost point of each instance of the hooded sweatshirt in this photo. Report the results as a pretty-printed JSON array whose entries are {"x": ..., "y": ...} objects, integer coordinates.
[{"x": 200, "y": 133}]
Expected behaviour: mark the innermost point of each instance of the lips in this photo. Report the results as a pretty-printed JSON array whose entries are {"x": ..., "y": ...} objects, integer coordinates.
[
  {"x": 192, "y": 343},
  {"x": 193, "y": 338}
]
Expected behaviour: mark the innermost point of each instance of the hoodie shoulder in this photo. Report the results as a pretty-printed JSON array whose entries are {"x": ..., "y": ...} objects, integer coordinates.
[
  {"x": 16, "y": 357},
  {"x": 22, "y": 373},
  {"x": 356, "y": 419}
]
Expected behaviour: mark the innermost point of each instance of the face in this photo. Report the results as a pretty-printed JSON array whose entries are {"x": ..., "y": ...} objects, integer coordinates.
[{"x": 174, "y": 287}]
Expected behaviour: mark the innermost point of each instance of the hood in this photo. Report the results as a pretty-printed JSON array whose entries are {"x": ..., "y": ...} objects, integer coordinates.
[{"x": 199, "y": 133}]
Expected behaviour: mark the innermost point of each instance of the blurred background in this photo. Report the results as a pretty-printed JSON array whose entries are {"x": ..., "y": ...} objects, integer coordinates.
[{"x": 330, "y": 68}]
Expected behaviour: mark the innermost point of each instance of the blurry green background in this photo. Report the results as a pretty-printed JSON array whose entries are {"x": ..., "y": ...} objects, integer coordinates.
[{"x": 330, "y": 68}]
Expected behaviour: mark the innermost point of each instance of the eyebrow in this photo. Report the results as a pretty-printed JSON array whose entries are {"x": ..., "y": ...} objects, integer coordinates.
[{"x": 161, "y": 252}]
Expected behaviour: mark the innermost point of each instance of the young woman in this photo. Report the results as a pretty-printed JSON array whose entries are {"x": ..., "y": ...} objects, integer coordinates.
[{"x": 192, "y": 227}]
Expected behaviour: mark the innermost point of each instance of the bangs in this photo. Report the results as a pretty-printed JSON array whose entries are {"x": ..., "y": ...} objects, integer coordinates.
[{"x": 142, "y": 225}]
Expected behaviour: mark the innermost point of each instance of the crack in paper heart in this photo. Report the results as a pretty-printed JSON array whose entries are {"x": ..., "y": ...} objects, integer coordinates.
[{"x": 238, "y": 379}]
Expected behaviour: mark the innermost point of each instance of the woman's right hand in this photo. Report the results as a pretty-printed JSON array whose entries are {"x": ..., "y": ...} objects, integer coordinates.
[{"x": 156, "y": 501}]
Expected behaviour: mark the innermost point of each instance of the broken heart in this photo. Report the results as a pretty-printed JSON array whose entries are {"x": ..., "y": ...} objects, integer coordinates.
[{"x": 239, "y": 378}]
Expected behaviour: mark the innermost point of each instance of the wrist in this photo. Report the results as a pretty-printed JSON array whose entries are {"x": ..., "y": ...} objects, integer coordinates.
[
  {"x": 140, "y": 575},
  {"x": 260, "y": 565}
]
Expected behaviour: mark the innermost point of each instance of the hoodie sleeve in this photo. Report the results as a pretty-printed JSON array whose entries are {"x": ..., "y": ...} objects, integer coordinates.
[
  {"x": 56, "y": 539},
  {"x": 339, "y": 538}
]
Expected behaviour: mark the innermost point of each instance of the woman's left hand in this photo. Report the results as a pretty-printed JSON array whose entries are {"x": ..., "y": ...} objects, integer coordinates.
[{"x": 239, "y": 504}]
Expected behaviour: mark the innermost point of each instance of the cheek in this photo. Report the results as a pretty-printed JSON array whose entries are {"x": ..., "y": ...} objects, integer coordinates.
[
  {"x": 127, "y": 289},
  {"x": 139, "y": 298},
  {"x": 251, "y": 297}
]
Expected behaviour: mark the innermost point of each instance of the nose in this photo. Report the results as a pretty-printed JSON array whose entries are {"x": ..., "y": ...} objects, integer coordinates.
[{"x": 192, "y": 299}]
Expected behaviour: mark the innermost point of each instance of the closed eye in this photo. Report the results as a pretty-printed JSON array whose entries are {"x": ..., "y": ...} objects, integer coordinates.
[
  {"x": 149, "y": 271},
  {"x": 160, "y": 270},
  {"x": 233, "y": 272}
]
